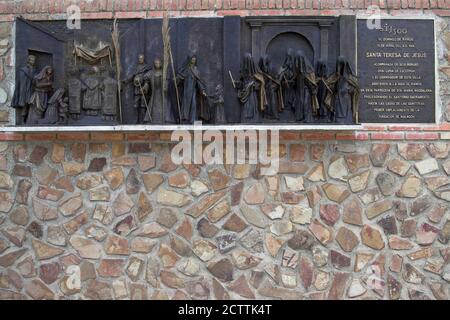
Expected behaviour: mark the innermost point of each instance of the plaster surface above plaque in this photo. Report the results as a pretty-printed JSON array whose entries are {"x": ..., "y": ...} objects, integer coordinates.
[{"x": 396, "y": 71}]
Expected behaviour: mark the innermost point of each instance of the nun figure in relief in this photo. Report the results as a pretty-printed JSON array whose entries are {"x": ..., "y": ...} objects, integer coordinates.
[
  {"x": 306, "y": 105},
  {"x": 344, "y": 92},
  {"x": 325, "y": 114},
  {"x": 192, "y": 93},
  {"x": 251, "y": 91},
  {"x": 273, "y": 89},
  {"x": 42, "y": 87},
  {"x": 287, "y": 79}
]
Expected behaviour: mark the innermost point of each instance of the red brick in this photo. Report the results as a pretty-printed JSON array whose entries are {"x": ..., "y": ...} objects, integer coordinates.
[
  {"x": 196, "y": 5},
  {"x": 394, "y": 4},
  {"x": 7, "y": 6},
  {"x": 10, "y": 136},
  {"x": 180, "y": 6},
  {"x": 7, "y": 18},
  {"x": 130, "y": 15},
  {"x": 387, "y": 136},
  {"x": 41, "y": 6},
  {"x": 422, "y": 136},
  {"x": 441, "y": 127},
  {"x": 89, "y": 6},
  {"x": 155, "y": 14},
  {"x": 96, "y": 15},
  {"x": 382, "y": 4},
  {"x": 304, "y": 12},
  {"x": 289, "y": 135},
  {"x": 425, "y": 4},
  {"x": 256, "y": 4},
  {"x": 189, "y": 4},
  {"x": 336, "y": 12},
  {"x": 441, "y": 12},
  {"x": 319, "y": 136},
  {"x": 177, "y": 6},
  {"x": 410, "y": 12},
  {"x": 264, "y": 4},
  {"x": 56, "y": 7},
  {"x": 165, "y": 136},
  {"x": 352, "y": 136},
  {"x": 73, "y": 136},
  {"x": 26, "y": 6},
  {"x": 204, "y": 4},
  {"x": 105, "y": 5},
  {"x": 241, "y": 4},
  {"x": 147, "y": 136},
  {"x": 433, "y": 4},
  {"x": 107, "y": 136},
  {"x": 36, "y": 16},
  {"x": 374, "y": 127},
  {"x": 40, "y": 136},
  {"x": 195, "y": 13},
  {"x": 301, "y": 4}
]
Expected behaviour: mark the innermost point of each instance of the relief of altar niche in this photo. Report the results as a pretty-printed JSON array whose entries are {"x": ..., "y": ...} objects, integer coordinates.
[{"x": 298, "y": 70}]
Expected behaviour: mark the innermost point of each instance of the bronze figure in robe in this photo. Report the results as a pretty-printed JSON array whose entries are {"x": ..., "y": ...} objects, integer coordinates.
[
  {"x": 56, "y": 112},
  {"x": 286, "y": 76},
  {"x": 192, "y": 90},
  {"x": 217, "y": 103},
  {"x": 160, "y": 110},
  {"x": 343, "y": 94},
  {"x": 24, "y": 88},
  {"x": 140, "y": 88},
  {"x": 325, "y": 114},
  {"x": 306, "y": 104},
  {"x": 273, "y": 89},
  {"x": 110, "y": 98},
  {"x": 92, "y": 87},
  {"x": 251, "y": 92},
  {"x": 74, "y": 92},
  {"x": 42, "y": 88}
]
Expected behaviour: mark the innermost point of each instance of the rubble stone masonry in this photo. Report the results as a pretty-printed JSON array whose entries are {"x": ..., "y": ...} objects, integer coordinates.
[{"x": 350, "y": 215}]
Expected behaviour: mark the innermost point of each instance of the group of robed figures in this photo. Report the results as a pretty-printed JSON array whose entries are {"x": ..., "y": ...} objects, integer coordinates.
[
  {"x": 294, "y": 93},
  {"x": 34, "y": 98},
  {"x": 154, "y": 105},
  {"x": 297, "y": 92}
]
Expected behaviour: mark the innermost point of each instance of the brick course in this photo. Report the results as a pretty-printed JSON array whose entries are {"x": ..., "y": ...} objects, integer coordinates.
[{"x": 150, "y": 8}]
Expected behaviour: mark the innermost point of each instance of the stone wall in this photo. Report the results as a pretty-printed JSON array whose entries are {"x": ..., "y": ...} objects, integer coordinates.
[
  {"x": 139, "y": 226},
  {"x": 351, "y": 215}
]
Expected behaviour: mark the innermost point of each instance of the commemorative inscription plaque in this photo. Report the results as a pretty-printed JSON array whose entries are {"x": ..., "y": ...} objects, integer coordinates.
[{"x": 396, "y": 71}]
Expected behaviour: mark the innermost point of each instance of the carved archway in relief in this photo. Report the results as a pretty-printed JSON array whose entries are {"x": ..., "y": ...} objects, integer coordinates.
[{"x": 278, "y": 46}]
